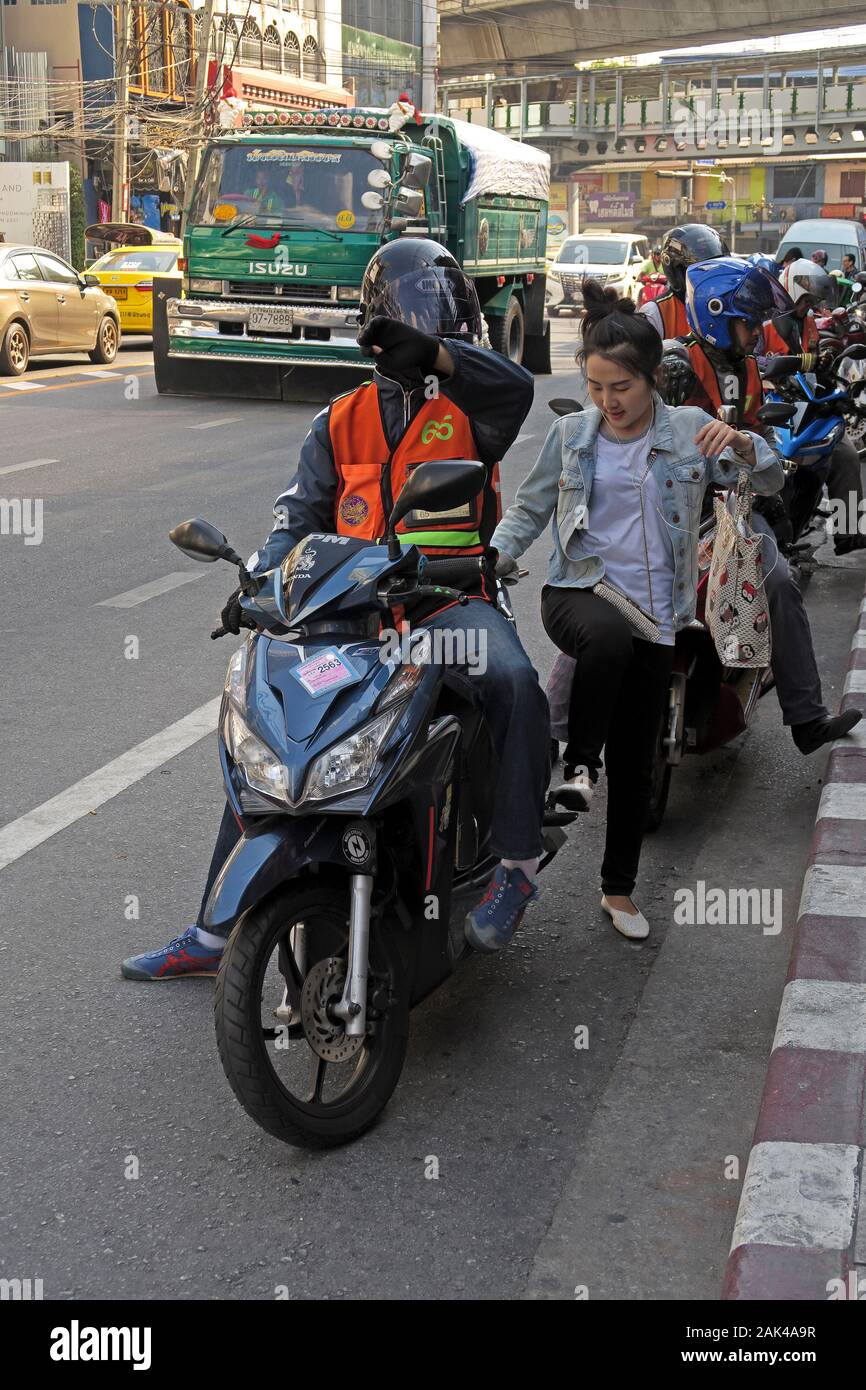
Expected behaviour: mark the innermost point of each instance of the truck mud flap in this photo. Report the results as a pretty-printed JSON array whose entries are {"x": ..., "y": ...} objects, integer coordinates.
[{"x": 536, "y": 351}]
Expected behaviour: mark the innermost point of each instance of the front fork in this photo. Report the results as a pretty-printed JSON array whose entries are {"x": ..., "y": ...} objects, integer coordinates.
[{"x": 352, "y": 1008}]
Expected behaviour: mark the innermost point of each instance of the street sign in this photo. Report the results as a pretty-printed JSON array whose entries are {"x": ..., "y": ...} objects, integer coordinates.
[
  {"x": 704, "y": 161},
  {"x": 716, "y": 206}
]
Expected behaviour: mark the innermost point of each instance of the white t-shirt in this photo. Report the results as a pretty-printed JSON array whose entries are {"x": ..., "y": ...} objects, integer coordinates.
[{"x": 615, "y": 529}]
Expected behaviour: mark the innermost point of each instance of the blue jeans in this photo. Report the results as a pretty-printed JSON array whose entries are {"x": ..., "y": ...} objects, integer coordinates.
[{"x": 515, "y": 708}]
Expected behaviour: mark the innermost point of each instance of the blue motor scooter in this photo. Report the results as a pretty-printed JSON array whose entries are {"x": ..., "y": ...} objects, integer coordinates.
[
  {"x": 808, "y": 424},
  {"x": 361, "y": 777}
]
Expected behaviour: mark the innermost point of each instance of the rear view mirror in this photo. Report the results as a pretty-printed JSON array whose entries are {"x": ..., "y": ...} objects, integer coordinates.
[
  {"x": 436, "y": 486},
  {"x": 562, "y": 405},
  {"x": 776, "y": 412},
  {"x": 415, "y": 171},
  {"x": 379, "y": 178},
  {"x": 409, "y": 202},
  {"x": 372, "y": 201},
  {"x": 201, "y": 541},
  {"x": 380, "y": 149}
]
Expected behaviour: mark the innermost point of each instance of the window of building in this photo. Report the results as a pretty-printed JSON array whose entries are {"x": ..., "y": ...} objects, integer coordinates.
[
  {"x": 250, "y": 50},
  {"x": 852, "y": 183},
  {"x": 292, "y": 55},
  {"x": 629, "y": 183},
  {"x": 271, "y": 49},
  {"x": 181, "y": 49},
  {"x": 794, "y": 181},
  {"x": 314, "y": 68}
]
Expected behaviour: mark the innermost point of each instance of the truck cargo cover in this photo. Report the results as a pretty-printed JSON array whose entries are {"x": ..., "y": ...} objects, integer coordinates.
[{"x": 502, "y": 165}]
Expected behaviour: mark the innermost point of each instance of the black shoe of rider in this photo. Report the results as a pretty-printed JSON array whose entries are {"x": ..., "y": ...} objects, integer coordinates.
[
  {"x": 846, "y": 545},
  {"x": 812, "y": 736}
]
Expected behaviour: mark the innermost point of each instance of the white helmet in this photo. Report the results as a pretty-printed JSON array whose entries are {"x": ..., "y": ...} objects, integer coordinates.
[{"x": 808, "y": 278}]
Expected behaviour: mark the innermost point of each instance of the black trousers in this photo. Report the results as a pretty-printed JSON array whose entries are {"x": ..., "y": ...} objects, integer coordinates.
[{"x": 618, "y": 700}]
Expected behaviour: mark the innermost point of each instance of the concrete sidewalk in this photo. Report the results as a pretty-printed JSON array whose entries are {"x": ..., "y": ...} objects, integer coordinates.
[{"x": 801, "y": 1227}]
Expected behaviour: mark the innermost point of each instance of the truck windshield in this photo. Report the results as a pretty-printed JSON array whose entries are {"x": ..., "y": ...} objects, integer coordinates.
[
  {"x": 592, "y": 252},
  {"x": 287, "y": 185}
]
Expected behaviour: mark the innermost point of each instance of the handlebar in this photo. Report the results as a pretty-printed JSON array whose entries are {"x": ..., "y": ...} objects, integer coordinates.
[{"x": 463, "y": 569}]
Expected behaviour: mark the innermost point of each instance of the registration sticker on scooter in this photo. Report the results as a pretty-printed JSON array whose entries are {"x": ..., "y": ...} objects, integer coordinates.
[{"x": 324, "y": 672}]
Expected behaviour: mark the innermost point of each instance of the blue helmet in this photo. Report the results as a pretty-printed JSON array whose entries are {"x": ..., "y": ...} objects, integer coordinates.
[
  {"x": 728, "y": 288},
  {"x": 765, "y": 262}
]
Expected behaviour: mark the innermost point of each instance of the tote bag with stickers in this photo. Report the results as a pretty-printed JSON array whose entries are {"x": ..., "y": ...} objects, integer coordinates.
[{"x": 736, "y": 610}]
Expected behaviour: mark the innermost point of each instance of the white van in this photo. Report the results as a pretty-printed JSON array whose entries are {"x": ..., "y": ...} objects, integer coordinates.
[
  {"x": 614, "y": 258},
  {"x": 836, "y": 237}
]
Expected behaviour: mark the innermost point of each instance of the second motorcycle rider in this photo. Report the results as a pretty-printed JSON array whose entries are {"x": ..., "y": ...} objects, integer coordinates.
[{"x": 434, "y": 395}]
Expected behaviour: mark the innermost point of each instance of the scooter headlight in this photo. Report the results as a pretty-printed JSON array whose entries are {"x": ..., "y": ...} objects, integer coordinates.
[
  {"x": 262, "y": 770},
  {"x": 349, "y": 765},
  {"x": 236, "y": 676}
]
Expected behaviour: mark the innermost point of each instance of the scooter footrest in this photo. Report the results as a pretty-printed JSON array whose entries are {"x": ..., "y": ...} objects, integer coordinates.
[{"x": 552, "y": 817}]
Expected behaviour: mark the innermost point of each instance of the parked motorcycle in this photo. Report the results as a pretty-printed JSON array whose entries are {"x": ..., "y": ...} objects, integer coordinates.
[
  {"x": 362, "y": 782},
  {"x": 808, "y": 424}
]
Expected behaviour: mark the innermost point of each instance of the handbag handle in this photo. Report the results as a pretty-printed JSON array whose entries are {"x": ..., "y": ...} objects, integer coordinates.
[{"x": 744, "y": 497}]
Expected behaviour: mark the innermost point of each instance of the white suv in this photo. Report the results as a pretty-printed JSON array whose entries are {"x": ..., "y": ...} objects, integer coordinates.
[{"x": 613, "y": 258}]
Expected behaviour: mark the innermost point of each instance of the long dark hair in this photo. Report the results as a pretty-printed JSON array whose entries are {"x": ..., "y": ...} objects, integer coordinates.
[{"x": 613, "y": 329}]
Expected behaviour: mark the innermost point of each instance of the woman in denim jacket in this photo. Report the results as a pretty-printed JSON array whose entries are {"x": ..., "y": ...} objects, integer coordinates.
[{"x": 624, "y": 483}]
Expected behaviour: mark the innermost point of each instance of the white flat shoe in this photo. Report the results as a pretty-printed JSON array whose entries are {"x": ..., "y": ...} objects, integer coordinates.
[
  {"x": 575, "y": 794},
  {"x": 631, "y": 924}
]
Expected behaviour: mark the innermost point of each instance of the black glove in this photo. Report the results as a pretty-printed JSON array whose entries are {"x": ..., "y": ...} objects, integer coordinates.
[
  {"x": 679, "y": 380},
  {"x": 402, "y": 347},
  {"x": 233, "y": 617}
]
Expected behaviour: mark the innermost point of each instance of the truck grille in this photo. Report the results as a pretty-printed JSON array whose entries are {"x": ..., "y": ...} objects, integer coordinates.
[{"x": 283, "y": 290}]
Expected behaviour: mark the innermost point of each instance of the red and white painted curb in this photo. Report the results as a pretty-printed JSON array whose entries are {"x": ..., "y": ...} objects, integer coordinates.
[{"x": 797, "y": 1234}]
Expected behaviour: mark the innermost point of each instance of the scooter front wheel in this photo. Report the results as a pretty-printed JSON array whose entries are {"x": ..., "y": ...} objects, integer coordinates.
[{"x": 286, "y": 1056}]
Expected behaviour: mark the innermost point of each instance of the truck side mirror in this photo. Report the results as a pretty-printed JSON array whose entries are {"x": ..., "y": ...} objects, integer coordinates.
[
  {"x": 379, "y": 178},
  {"x": 372, "y": 201},
  {"x": 416, "y": 171},
  {"x": 408, "y": 203}
]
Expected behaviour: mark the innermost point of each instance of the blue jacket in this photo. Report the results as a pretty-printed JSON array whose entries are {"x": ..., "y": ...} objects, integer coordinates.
[{"x": 561, "y": 482}]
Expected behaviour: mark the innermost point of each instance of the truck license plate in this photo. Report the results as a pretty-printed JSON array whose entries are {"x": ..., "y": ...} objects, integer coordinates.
[{"x": 278, "y": 319}]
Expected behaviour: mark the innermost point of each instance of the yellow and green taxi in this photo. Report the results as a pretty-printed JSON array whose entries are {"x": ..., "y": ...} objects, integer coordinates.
[{"x": 127, "y": 256}]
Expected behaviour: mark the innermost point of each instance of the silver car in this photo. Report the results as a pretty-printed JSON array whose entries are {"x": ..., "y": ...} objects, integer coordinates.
[{"x": 46, "y": 307}]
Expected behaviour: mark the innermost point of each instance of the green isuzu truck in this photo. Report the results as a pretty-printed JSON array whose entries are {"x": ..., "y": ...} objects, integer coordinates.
[{"x": 285, "y": 217}]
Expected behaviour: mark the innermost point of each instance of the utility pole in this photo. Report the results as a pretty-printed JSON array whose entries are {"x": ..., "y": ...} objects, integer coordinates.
[
  {"x": 121, "y": 97},
  {"x": 193, "y": 155}
]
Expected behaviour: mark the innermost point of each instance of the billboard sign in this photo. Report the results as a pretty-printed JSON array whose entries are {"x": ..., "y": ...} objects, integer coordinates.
[{"x": 34, "y": 205}]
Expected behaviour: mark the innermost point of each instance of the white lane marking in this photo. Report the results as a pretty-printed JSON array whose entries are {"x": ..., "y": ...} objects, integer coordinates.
[
  {"x": 859, "y": 639},
  {"x": 212, "y": 424},
  {"x": 31, "y": 463},
  {"x": 826, "y": 1015},
  {"x": 20, "y": 836},
  {"x": 798, "y": 1194},
  {"x": 151, "y": 590},
  {"x": 21, "y": 385},
  {"x": 854, "y": 681},
  {"x": 112, "y": 376},
  {"x": 843, "y": 801},
  {"x": 521, "y": 439},
  {"x": 833, "y": 890}
]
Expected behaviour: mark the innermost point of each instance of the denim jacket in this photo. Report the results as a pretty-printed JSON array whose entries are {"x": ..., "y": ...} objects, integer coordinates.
[{"x": 560, "y": 485}]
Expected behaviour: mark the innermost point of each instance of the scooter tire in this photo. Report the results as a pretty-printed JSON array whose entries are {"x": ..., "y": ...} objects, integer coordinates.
[
  {"x": 661, "y": 785},
  {"x": 243, "y": 1047}
]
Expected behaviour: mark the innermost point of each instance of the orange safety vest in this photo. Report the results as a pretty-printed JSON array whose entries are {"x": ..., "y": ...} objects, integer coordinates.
[
  {"x": 747, "y": 411},
  {"x": 673, "y": 312},
  {"x": 370, "y": 476},
  {"x": 776, "y": 345}
]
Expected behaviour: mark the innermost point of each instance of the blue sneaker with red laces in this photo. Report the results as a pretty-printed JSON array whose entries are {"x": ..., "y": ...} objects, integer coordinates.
[
  {"x": 491, "y": 925},
  {"x": 185, "y": 955}
]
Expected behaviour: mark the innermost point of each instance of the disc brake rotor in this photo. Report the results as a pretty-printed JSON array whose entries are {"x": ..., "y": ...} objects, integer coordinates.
[{"x": 323, "y": 987}]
